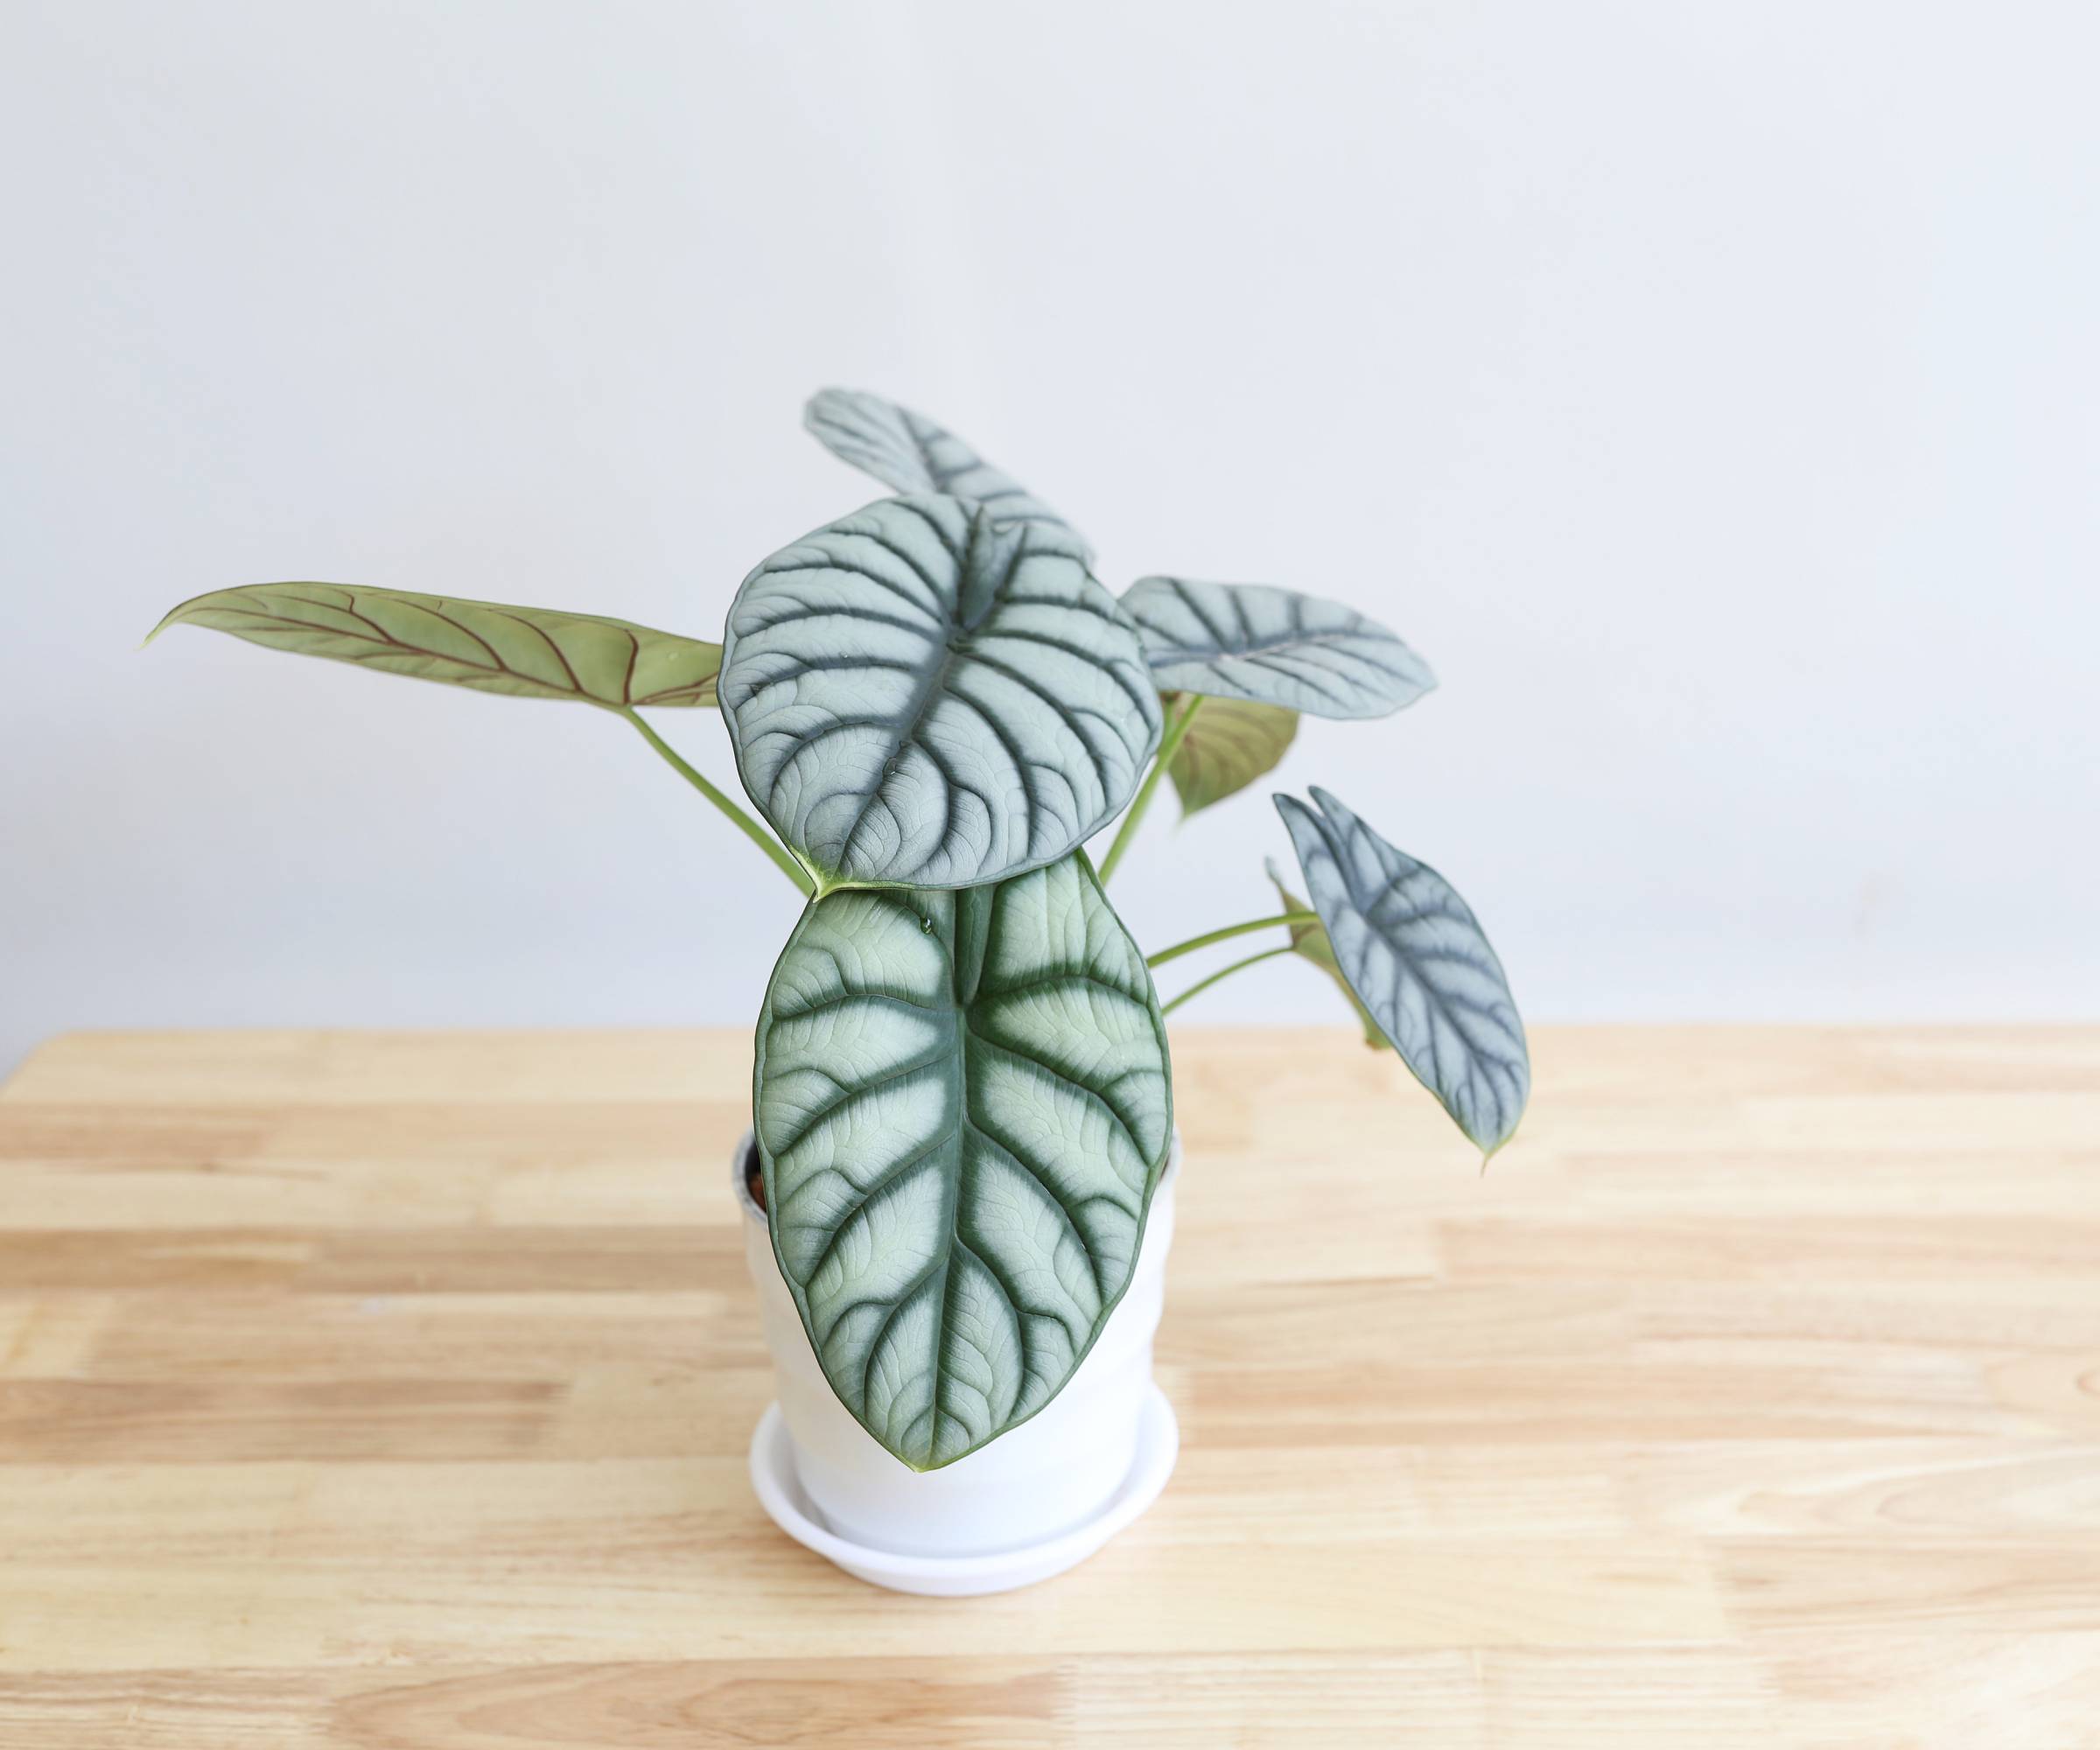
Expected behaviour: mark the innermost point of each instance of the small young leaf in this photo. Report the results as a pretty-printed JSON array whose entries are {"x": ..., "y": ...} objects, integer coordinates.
[
  {"x": 1229, "y": 744},
  {"x": 1273, "y": 647},
  {"x": 1310, "y": 942},
  {"x": 530, "y": 652},
  {"x": 919, "y": 698},
  {"x": 1417, "y": 958},
  {"x": 910, "y": 453},
  {"x": 962, "y": 1110}
]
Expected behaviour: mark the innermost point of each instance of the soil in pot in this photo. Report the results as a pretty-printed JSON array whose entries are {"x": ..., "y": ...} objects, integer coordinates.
[{"x": 754, "y": 1178}]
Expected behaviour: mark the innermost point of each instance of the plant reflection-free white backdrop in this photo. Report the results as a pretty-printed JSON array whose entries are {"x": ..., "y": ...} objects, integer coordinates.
[{"x": 1708, "y": 392}]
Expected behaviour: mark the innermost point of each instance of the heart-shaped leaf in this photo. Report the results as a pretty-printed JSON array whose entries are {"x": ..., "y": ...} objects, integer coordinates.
[
  {"x": 533, "y": 653},
  {"x": 919, "y": 698},
  {"x": 963, "y": 1107},
  {"x": 1310, "y": 942},
  {"x": 910, "y": 453},
  {"x": 1273, "y": 647},
  {"x": 1227, "y": 744},
  {"x": 1417, "y": 958}
]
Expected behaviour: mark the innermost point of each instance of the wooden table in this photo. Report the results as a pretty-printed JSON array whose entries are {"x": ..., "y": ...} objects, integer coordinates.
[{"x": 391, "y": 1390}]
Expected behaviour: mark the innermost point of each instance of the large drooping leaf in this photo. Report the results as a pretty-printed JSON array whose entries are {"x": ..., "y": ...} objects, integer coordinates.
[
  {"x": 1228, "y": 744},
  {"x": 1310, "y": 942},
  {"x": 1415, "y": 956},
  {"x": 919, "y": 698},
  {"x": 533, "y": 653},
  {"x": 1273, "y": 647},
  {"x": 910, "y": 453},
  {"x": 963, "y": 1106}
]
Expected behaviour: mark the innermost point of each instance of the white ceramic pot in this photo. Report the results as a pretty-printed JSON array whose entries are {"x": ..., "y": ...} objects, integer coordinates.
[{"x": 1072, "y": 1466}]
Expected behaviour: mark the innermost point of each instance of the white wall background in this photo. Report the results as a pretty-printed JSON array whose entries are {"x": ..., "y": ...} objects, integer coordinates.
[{"x": 1710, "y": 391}]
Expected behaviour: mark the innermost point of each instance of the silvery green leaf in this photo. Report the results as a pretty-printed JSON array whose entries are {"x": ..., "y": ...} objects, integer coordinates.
[
  {"x": 910, "y": 453},
  {"x": 962, "y": 1108},
  {"x": 920, "y": 698},
  {"x": 1273, "y": 647},
  {"x": 1310, "y": 941},
  {"x": 533, "y": 653},
  {"x": 1417, "y": 958},
  {"x": 1227, "y": 744}
]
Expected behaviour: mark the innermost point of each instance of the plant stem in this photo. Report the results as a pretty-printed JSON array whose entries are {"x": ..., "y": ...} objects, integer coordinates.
[
  {"x": 1223, "y": 972},
  {"x": 748, "y": 827},
  {"x": 1230, "y": 930},
  {"x": 1169, "y": 745}
]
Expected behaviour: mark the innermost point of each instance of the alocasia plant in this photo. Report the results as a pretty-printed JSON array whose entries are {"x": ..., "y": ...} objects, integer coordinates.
[{"x": 962, "y": 1099}]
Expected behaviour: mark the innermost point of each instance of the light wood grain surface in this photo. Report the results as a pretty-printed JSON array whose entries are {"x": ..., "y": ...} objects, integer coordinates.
[{"x": 392, "y": 1390}]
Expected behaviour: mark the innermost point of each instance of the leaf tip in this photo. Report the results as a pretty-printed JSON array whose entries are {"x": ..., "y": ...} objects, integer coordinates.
[{"x": 1489, "y": 1151}]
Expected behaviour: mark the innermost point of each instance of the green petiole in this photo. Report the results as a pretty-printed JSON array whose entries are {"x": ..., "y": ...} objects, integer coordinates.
[
  {"x": 1169, "y": 745},
  {"x": 1225, "y": 935},
  {"x": 1202, "y": 984},
  {"x": 745, "y": 823}
]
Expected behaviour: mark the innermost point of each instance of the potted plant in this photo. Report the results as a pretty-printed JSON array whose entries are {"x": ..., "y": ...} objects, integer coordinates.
[{"x": 958, "y": 1192}]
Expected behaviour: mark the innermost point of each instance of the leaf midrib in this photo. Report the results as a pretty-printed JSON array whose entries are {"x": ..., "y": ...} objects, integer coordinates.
[{"x": 385, "y": 643}]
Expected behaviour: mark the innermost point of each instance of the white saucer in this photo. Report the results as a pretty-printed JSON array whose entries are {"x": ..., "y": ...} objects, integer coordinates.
[{"x": 781, "y": 1494}]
